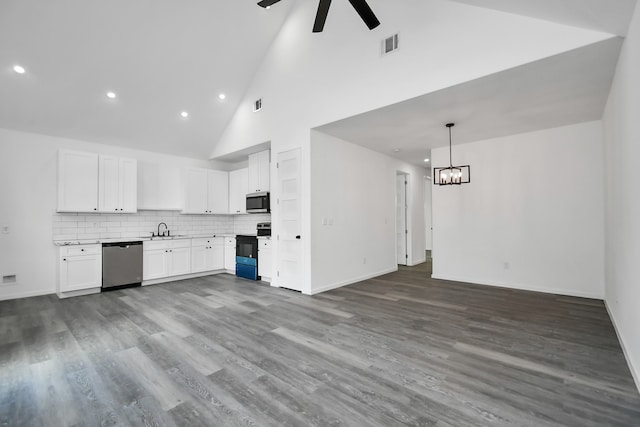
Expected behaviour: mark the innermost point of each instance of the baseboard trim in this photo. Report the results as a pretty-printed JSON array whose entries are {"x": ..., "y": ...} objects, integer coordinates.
[
  {"x": 181, "y": 277},
  {"x": 634, "y": 372},
  {"x": 519, "y": 287},
  {"x": 351, "y": 281},
  {"x": 26, "y": 295},
  {"x": 420, "y": 261}
]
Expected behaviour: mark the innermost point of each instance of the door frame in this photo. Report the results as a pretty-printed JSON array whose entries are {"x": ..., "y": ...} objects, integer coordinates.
[{"x": 407, "y": 216}]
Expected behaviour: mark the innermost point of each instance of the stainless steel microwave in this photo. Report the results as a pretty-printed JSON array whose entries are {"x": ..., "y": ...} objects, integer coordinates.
[{"x": 258, "y": 202}]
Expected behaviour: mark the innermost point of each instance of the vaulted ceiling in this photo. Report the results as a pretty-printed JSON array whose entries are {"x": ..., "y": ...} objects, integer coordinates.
[
  {"x": 160, "y": 57},
  {"x": 163, "y": 57}
]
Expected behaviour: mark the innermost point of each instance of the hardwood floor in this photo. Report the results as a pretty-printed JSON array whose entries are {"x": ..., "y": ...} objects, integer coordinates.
[{"x": 396, "y": 350}]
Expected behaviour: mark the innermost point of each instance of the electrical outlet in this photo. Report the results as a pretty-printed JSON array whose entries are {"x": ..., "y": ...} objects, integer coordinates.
[
  {"x": 506, "y": 265},
  {"x": 5, "y": 229},
  {"x": 364, "y": 260}
]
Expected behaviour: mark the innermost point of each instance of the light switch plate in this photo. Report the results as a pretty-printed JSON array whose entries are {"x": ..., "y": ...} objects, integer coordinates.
[{"x": 5, "y": 229}]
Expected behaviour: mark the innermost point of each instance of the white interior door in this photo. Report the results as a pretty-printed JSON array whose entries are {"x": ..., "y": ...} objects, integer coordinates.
[
  {"x": 401, "y": 218},
  {"x": 289, "y": 253}
]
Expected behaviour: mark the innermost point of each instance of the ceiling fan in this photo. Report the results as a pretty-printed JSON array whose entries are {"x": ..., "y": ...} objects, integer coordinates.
[{"x": 360, "y": 6}]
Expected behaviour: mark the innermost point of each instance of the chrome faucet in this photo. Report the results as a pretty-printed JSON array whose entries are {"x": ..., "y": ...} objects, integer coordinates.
[{"x": 166, "y": 229}]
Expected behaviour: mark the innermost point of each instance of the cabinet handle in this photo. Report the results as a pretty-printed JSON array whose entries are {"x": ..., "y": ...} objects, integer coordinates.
[
  {"x": 81, "y": 250},
  {"x": 64, "y": 259},
  {"x": 95, "y": 209}
]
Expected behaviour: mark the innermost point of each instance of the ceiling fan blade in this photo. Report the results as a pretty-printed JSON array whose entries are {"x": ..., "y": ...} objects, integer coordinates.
[
  {"x": 321, "y": 16},
  {"x": 267, "y": 3},
  {"x": 365, "y": 13}
]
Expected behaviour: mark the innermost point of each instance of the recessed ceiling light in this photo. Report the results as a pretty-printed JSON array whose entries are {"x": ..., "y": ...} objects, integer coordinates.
[
  {"x": 184, "y": 114},
  {"x": 19, "y": 69},
  {"x": 426, "y": 160},
  {"x": 111, "y": 95},
  {"x": 268, "y": 7},
  {"x": 396, "y": 150},
  {"x": 222, "y": 97}
]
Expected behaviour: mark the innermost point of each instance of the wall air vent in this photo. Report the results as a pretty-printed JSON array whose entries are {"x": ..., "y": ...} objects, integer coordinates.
[
  {"x": 390, "y": 44},
  {"x": 9, "y": 279},
  {"x": 257, "y": 105}
]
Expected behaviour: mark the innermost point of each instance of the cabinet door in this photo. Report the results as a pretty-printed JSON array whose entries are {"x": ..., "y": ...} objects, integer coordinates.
[
  {"x": 218, "y": 192},
  {"x": 108, "y": 189},
  {"x": 77, "y": 181},
  {"x": 80, "y": 272},
  {"x": 254, "y": 173},
  {"x": 128, "y": 185},
  {"x": 230, "y": 253},
  {"x": 155, "y": 264},
  {"x": 265, "y": 258},
  {"x": 264, "y": 171},
  {"x": 199, "y": 259},
  {"x": 196, "y": 191},
  {"x": 238, "y": 189},
  {"x": 179, "y": 261},
  {"x": 216, "y": 254}
]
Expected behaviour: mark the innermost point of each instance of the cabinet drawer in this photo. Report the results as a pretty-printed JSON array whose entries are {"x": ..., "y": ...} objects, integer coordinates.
[
  {"x": 80, "y": 250},
  {"x": 206, "y": 241},
  {"x": 166, "y": 244}
]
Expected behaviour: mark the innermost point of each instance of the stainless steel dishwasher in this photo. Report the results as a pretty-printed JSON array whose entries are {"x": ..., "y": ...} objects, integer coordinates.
[{"x": 121, "y": 265}]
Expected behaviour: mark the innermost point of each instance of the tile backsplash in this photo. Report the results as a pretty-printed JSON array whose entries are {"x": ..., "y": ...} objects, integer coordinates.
[{"x": 80, "y": 226}]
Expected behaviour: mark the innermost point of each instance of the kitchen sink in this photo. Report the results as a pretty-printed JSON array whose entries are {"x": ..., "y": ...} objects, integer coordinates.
[{"x": 176, "y": 236}]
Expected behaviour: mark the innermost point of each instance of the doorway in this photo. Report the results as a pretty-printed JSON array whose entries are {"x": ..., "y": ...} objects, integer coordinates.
[
  {"x": 402, "y": 232},
  {"x": 289, "y": 265}
]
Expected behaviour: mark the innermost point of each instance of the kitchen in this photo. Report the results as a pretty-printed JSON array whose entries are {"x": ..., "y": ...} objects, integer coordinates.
[{"x": 101, "y": 233}]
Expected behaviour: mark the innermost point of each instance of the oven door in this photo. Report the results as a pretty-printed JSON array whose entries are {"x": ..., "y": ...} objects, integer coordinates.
[{"x": 247, "y": 247}]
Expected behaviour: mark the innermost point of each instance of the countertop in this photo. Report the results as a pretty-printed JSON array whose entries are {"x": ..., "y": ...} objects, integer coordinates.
[{"x": 142, "y": 239}]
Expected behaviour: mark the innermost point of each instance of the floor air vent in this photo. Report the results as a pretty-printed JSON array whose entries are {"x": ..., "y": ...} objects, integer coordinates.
[{"x": 390, "y": 44}]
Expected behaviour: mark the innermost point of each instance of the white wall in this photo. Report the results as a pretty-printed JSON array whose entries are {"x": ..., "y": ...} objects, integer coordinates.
[
  {"x": 28, "y": 188},
  {"x": 307, "y": 79},
  {"x": 354, "y": 191},
  {"x": 536, "y": 202},
  {"x": 622, "y": 151}
]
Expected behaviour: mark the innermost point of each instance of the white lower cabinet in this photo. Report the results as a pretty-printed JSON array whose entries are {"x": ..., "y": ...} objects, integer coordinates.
[
  {"x": 230, "y": 254},
  {"x": 207, "y": 254},
  {"x": 155, "y": 263},
  {"x": 265, "y": 259},
  {"x": 166, "y": 258},
  {"x": 80, "y": 270}
]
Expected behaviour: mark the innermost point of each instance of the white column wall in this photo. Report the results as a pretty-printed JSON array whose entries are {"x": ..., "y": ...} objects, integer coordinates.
[{"x": 622, "y": 151}]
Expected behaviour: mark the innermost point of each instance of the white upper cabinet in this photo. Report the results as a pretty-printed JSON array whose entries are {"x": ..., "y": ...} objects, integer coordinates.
[
  {"x": 206, "y": 192},
  {"x": 259, "y": 171},
  {"x": 88, "y": 182},
  {"x": 117, "y": 185},
  {"x": 196, "y": 191},
  {"x": 238, "y": 189},
  {"x": 218, "y": 192},
  {"x": 77, "y": 181}
]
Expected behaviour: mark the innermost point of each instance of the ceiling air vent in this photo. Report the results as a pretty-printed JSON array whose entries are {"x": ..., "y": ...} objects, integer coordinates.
[
  {"x": 257, "y": 105},
  {"x": 390, "y": 44}
]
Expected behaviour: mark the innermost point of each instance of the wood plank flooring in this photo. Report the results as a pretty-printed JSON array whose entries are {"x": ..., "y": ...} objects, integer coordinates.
[{"x": 396, "y": 350}]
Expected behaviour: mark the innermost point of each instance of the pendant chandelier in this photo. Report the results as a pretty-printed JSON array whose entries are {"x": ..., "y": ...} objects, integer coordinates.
[{"x": 451, "y": 175}]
